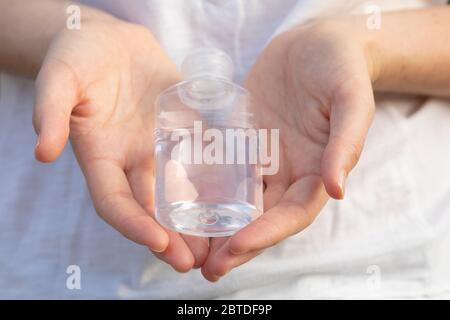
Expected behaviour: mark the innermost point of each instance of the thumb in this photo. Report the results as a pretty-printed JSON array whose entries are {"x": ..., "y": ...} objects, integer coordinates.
[
  {"x": 56, "y": 96},
  {"x": 351, "y": 115}
]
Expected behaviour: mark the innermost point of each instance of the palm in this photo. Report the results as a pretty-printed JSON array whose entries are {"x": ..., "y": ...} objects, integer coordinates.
[
  {"x": 301, "y": 92},
  {"x": 111, "y": 128},
  {"x": 298, "y": 88}
]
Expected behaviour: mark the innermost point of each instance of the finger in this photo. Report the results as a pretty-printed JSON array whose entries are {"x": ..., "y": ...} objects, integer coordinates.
[
  {"x": 56, "y": 96},
  {"x": 276, "y": 186},
  {"x": 350, "y": 119},
  {"x": 214, "y": 245},
  {"x": 115, "y": 203},
  {"x": 178, "y": 254},
  {"x": 220, "y": 261},
  {"x": 199, "y": 247},
  {"x": 295, "y": 211}
]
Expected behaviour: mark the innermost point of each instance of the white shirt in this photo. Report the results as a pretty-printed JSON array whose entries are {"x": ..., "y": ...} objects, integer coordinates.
[{"x": 388, "y": 239}]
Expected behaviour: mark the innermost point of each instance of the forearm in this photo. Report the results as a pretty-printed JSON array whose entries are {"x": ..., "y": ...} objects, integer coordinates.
[
  {"x": 27, "y": 28},
  {"x": 411, "y": 52}
]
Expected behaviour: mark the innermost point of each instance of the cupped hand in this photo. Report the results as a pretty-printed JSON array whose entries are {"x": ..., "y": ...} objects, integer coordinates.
[
  {"x": 97, "y": 86},
  {"x": 313, "y": 83}
]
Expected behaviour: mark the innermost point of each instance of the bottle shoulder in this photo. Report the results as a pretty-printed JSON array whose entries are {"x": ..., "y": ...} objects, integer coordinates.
[
  {"x": 205, "y": 85},
  {"x": 203, "y": 92}
]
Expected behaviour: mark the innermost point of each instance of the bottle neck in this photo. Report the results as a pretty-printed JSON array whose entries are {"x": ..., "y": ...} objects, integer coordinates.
[{"x": 208, "y": 63}]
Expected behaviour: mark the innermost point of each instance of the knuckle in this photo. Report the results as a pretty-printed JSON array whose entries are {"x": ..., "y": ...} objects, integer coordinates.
[
  {"x": 110, "y": 202},
  {"x": 303, "y": 220},
  {"x": 273, "y": 231}
]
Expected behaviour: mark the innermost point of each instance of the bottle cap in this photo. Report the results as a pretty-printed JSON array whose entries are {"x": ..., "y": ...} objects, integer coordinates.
[{"x": 205, "y": 62}]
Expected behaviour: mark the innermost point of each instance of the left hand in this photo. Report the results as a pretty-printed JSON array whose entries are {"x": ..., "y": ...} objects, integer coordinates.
[{"x": 314, "y": 83}]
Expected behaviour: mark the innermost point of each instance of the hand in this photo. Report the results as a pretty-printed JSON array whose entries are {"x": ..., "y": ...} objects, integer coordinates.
[
  {"x": 314, "y": 84},
  {"x": 98, "y": 85}
]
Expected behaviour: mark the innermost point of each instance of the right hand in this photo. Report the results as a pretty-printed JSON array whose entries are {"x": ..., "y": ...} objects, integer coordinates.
[{"x": 98, "y": 85}]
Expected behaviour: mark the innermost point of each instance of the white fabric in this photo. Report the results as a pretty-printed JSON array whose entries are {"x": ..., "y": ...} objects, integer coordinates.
[{"x": 394, "y": 221}]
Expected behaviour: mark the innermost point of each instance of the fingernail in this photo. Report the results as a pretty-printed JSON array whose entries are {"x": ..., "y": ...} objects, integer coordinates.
[
  {"x": 214, "y": 279},
  {"x": 38, "y": 142},
  {"x": 236, "y": 252},
  {"x": 157, "y": 250},
  {"x": 341, "y": 183}
]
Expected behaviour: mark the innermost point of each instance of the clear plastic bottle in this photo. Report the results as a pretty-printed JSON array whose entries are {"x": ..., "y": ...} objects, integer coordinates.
[{"x": 201, "y": 187}]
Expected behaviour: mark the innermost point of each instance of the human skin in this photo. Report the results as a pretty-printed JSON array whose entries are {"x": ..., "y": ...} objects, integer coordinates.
[
  {"x": 98, "y": 86},
  {"x": 315, "y": 83}
]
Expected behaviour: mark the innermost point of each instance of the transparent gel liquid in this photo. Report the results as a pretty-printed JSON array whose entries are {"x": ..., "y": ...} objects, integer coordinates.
[
  {"x": 212, "y": 200},
  {"x": 198, "y": 197}
]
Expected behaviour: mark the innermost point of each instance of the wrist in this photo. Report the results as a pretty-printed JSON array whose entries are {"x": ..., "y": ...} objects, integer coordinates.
[
  {"x": 27, "y": 41},
  {"x": 369, "y": 41},
  {"x": 356, "y": 29},
  {"x": 88, "y": 15},
  {"x": 348, "y": 34}
]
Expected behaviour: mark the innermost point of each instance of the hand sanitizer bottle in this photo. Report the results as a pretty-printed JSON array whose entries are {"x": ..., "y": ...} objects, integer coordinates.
[{"x": 208, "y": 179}]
